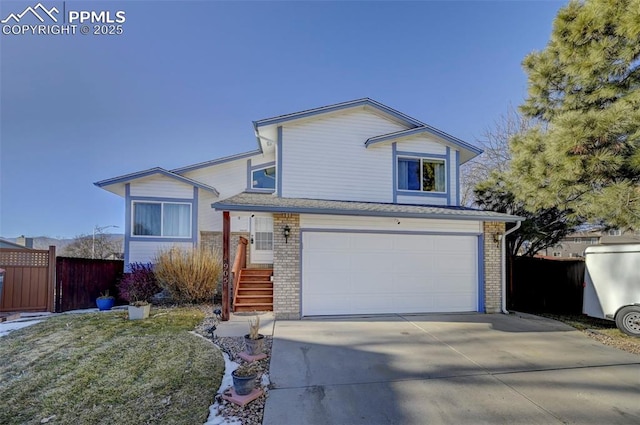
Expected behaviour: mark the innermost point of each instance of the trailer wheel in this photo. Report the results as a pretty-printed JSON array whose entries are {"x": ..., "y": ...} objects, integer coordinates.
[{"x": 628, "y": 320}]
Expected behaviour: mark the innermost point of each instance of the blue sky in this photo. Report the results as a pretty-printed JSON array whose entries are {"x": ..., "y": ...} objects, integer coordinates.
[{"x": 183, "y": 82}]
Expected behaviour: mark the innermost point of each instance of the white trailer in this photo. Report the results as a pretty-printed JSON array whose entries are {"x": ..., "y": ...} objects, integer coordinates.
[{"x": 612, "y": 285}]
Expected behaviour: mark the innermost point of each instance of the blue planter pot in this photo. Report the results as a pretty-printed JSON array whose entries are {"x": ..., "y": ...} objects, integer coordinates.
[{"x": 105, "y": 303}]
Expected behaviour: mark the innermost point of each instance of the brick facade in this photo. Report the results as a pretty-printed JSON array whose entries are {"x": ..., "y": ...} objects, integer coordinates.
[
  {"x": 492, "y": 267},
  {"x": 286, "y": 267}
]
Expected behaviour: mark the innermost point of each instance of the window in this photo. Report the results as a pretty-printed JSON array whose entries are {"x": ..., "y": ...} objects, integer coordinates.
[
  {"x": 615, "y": 232},
  {"x": 264, "y": 178},
  {"x": 577, "y": 240},
  {"x": 556, "y": 254},
  {"x": 425, "y": 175},
  {"x": 593, "y": 241},
  {"x": 162, "y": 219}
]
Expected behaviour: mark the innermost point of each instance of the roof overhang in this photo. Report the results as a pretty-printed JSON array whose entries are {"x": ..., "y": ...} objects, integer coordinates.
[
  {"x": 259, "y": 202},
  {"x": 117, "y": 184},
  {"x": 467, "y": 151},
  {"x": 217, "y": 161}
]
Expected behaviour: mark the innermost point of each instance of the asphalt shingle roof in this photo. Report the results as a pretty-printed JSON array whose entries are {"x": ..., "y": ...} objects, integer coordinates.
[{"x": 266, "y": 202}]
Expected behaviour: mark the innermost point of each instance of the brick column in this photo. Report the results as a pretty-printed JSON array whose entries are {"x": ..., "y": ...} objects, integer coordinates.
[
  {"x": 492, "y": 267},
  {"x": 286, "y": 267}
]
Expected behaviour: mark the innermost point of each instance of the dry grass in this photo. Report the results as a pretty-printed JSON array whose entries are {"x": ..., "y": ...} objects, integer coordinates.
[
  {"x": 103, "y": 369},
  {"x": 601, "y": 330},
  {"x": 190, "y": 275}
]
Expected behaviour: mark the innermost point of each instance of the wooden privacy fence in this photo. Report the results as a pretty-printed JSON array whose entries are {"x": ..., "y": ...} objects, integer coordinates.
[
  {"x": 542, "y": 285},
  {"x": 29, "y": 279},
  {"x": 80, "y": 281}
]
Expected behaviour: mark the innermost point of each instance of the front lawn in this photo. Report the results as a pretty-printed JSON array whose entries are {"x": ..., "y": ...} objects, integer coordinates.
[{"x": 101, "y": 368}]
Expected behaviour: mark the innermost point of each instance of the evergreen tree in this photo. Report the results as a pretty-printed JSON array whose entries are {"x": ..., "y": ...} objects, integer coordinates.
[{"x": 584, "y": 90}]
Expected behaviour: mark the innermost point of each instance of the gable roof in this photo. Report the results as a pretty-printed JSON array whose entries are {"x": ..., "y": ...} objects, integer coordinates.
[
  {"x": 152, "y": 171},
  {"x": 338, "y": 107},
  {"x": 469, "y": 151},
  {"x": 416, "y": 126},
  {"x": 261, "y": 202}
]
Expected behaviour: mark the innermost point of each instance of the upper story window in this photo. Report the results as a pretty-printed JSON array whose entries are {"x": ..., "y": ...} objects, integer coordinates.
[
  {"x": 615, "y": 232},
  {"x": 263, "y": 178},
  {"x": 577, "y": 240},
  {"x": 593, "y": 241},
  {"x": 164, "y": 219},
  {"x": 421, "y": 174}
]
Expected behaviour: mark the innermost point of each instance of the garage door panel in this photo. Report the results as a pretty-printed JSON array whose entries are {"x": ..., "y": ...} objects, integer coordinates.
[
  {"x": 372, "y": 273},
  {"x": 369, "y": 242},
  {"x": 417, "y": 263},
  {"x": 413, "y": 243}
]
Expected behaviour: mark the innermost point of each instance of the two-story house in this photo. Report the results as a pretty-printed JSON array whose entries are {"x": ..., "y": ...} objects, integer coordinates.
[{"x": 353, "y": 206}]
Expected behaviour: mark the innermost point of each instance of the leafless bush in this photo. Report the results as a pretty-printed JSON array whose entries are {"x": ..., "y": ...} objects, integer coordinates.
[{"x": 189, "y": 275}]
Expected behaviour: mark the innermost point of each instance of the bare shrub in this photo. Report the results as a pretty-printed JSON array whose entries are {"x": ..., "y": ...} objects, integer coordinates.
[
  {"x": 140, "y": 284},
  {"x": 189, "y": 275}
]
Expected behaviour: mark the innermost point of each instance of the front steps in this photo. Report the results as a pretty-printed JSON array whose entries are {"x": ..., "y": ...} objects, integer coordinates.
[{"x": 255, "y": 291}]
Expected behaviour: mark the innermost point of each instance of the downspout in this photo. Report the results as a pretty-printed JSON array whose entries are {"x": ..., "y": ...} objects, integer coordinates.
[{"x": 503, "y": 256}]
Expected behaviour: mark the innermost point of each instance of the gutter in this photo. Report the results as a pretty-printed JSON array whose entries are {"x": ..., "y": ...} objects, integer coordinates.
[{"x": 503, "y": 251}]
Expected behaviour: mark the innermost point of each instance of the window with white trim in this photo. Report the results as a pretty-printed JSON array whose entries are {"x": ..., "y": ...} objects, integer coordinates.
[
  {"x": 422, "y": 174},
  {"x": 162, "y": 219},
  {"x": 263, "y": 178},
  {"x": 615, "y": 232}
]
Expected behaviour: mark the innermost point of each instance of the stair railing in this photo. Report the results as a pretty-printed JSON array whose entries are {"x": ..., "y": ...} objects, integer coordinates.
[{"x": 239, "y": 263}]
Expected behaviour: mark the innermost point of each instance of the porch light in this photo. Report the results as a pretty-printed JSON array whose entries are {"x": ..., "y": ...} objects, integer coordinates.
[
  {"x": 497, "y": 238},
  {"x": 286, "y": 232}
]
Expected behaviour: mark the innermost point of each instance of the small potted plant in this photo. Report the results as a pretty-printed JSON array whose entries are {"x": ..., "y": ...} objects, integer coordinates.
[
  {"x": 139, "y": 310},
  {"x": 253, "y": 341},
  {"x": 244, "y": 378},
  {"x": 137, "y": 287},
  {"x": 105, "y": 301}
]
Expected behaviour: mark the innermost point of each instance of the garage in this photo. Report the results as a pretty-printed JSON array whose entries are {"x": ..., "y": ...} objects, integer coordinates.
[{"x": 373, "y": 272}]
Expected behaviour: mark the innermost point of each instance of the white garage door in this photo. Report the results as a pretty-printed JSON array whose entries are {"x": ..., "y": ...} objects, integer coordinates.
[{"x": 362, "y": 273}]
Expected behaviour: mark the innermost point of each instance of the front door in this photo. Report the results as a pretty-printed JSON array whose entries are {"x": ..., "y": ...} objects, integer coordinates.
[{"x": 261, "y": 239}]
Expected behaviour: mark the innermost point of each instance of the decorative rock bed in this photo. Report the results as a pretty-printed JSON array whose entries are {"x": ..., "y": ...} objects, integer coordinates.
[{"x": 252, "y": 413}]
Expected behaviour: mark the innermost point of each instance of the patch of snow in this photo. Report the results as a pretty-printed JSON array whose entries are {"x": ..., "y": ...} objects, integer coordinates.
[
  {"x": 215, "y": 418},
  {"x": 265, "y": 381},
  {"x": 12, "y": 325}
]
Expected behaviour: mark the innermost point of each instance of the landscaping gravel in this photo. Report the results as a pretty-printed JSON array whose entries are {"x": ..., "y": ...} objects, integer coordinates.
[{"x": 252, "y": 413}]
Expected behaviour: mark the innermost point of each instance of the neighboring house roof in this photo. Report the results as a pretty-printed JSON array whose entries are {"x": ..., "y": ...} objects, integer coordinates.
[
  {"x": 6, "y": 244},
  {"x": 468, "y": 151},
  {"x": 150, "y": 172},
  {"x": 260, "y": 202},
  {"x": 604, "y": 237}
]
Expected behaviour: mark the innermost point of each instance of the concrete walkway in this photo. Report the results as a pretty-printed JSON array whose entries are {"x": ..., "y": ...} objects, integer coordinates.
[
  {"x": 447, "y": 369},
  {"x": 238, "y": 324}
]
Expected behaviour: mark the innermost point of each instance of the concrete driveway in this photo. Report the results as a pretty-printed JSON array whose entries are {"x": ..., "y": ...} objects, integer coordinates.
[{"x": 447, "y": 369}]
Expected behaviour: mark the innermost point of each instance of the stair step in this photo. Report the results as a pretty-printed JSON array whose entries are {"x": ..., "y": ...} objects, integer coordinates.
[
  {"x": 243, "y": 284},
  {"x": 255, "y": 291},
  {"x": 243, "y": 299},
  {"x": 257, "y": 271},
  {"x": 257, "y": 307}
]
